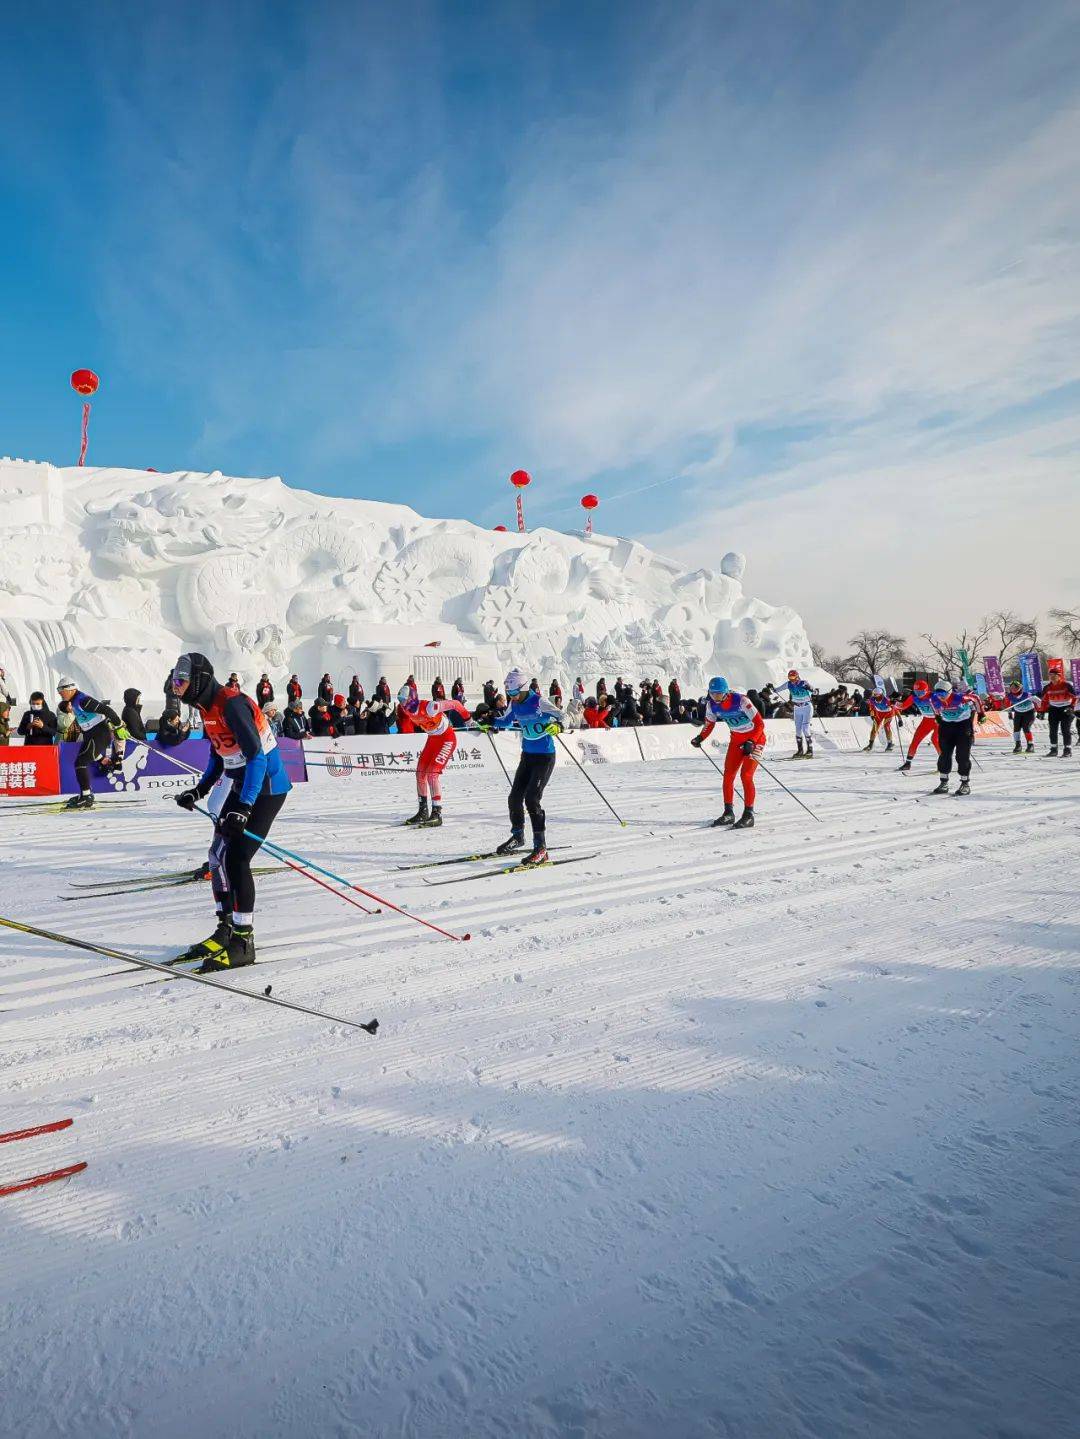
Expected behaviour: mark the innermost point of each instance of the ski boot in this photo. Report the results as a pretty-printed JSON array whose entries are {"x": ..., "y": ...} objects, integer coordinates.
[
  {"x": 745, "y": 820},
  {"x": 80, "y": 801},
  {"x": 965, "y": 787},
  {"x": 239, "y": 952},
  {"x": 889, "y": 746},
  {"x": 538, "y": 855},
  {"x": 798, "y": 748},
  {"x": 905, "y": 766},
  {"x": 868, "y": 747},
  {"x": 421, "y": 813},
  {"x": 1051, "y": 753},
  {"x": 434, "y": 819},
  {"x": 942, "y": 785},
  {"x": 1066, "y": 752},
  {"x": 1030, "y": 748},
  {"x": 1016, "y": 747},
  {"x": 515, "y": 842},
  {"x": 809, "y": 749},
  {"x": 728, "y": 817},
  {"x": 207, "y": 949}
]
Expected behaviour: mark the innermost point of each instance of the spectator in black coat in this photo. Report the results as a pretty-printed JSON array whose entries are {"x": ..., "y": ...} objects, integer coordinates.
[
  {"x": 264, "y": 692},
  {"x": 674, "y": 697},
  {"x": 660, "y": 712},
  {"x": 293, "y": 689},
  {"x": 382, "y": 690},
  {"x": 438, "y": 689},
  {"x": 322, "y": 721},
  {"x": 489, "y": 693},
  {"x": 326, "y": 690},
  {"x": 356, "y": 690},
  {"x": 172, "y": 730},
  {"x": 630, "y": 713},
  {"x": 131, "y": 715},
  {"x": 38, "y": 724},
  {"x": 295, "y": 723},
  {"x": 457, "y": 690},
  {"x": 378, "y": 716}
]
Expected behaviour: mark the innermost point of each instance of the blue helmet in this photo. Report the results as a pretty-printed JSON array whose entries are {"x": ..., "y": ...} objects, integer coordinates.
[{"x": 718, "y": 685}]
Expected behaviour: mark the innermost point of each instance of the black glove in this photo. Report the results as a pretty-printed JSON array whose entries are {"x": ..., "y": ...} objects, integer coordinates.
[
  {"x": 748, "y": 746},
  {"x": 697, "y": 741},
  {"x": 186, "y": 798},
  {"x": 234, "y": 821}
]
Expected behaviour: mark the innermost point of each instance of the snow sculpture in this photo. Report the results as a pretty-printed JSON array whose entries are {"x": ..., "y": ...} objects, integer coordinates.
[{"x": 107, "y": 574}]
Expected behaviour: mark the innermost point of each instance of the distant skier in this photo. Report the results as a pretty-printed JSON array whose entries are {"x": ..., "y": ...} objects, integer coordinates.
[
  {"x": 923, "y": 699},
  {"x": 956, "y": 732},
  {"x": 1022, "y": 707},
  {"x": 432, "y": 717},
  {"x": 746, "y": 745},
  {"x": 802, "y": 710},
  {"x": 881, "y": 709},
  {"x": 96, "y": 724},
  {"x": 1057, "y": 703},
  {"x": 242, "y": 747},
  {"x": 539, "y": 722}
]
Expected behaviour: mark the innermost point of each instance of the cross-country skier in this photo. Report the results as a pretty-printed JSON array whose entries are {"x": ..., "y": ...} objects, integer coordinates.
[
  {"x": 1058, "y": 702},
  {"x": 956, "y": 732},
  {"x": 1022, "y": 707},
  {"x": 539, "y": 721},
  {"x": 431, "y": 716},
  {"x": 882, "y": 710},
  {"x": 746, "y": 746},
  {"x": 923, "y": 699},
  {"x": 802, "y": 709},
  {"x": 242, "y": 746},
  {"x": 96, "y": 723}
]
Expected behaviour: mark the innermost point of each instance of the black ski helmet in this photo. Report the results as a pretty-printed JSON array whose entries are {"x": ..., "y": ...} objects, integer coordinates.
[{"x": 199, "y": 673}]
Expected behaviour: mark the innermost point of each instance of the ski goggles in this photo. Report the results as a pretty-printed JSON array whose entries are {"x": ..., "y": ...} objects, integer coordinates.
[{"x": 181, "y": 674}]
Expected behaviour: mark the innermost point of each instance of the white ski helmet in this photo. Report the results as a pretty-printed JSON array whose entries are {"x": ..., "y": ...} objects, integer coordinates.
[{"x": 515, "y": 682}]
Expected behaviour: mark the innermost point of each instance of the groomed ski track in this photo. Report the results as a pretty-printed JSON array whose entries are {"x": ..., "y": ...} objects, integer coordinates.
[{"x": 744, "y": 1135}]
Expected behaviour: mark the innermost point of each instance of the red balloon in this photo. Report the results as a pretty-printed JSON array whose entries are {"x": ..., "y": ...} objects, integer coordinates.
[
  {"x": 84, "y": 382},
  {"x": 589, "y": 502},
  {"x": 500, "y": 529},
  {"x": 520, "y": 478}
]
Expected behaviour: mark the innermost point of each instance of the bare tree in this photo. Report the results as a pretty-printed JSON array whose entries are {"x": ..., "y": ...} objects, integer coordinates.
[
  {"x": 876, "y": 652},
  {"x": 1068, "y": 627},
  {"x": 840, "y": 666},
  {"x": 1012, "y": 635},
  {"x": 943, "y": 652}
]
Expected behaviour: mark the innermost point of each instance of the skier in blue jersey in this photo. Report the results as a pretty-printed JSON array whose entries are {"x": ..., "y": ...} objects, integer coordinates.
[
  {"x": 802, "y": 711},
  {"x": 956, "y": 732},
  {"x": 97, "y": 724},
  {"x": 1023, "y": 707},
  {"x": 539, "y": 722}
]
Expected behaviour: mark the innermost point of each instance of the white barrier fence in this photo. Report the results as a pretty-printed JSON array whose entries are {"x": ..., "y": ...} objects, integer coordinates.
[{"x": 373, "y": 757}]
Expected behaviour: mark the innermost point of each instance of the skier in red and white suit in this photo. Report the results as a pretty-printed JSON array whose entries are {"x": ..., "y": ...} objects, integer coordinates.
[
  {"x": 745, "y": 747},
  {"x": 431, "y": 717}
]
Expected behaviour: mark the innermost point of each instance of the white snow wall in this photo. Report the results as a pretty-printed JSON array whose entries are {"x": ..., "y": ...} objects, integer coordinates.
[{"x": 108, "y": 574}]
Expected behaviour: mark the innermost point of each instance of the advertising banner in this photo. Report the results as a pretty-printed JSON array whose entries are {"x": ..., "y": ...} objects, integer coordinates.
[
  {"x": 384, "y": 756},
  {"x": 964, "y": 660},
  {"x": 1031, "y": 672},
  {"x": 145, "y": 769},
  {"x": 980, "y": 686},
  {"x": 1074, "y": 670},
  {"x": 29, "y": 769},
  {"x": 992, "y": 669},
  {"x": 995, "y": 725},
  {"x": 1055, "y": 668}
]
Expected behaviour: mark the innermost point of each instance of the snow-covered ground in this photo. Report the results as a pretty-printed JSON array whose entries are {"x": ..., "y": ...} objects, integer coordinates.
[{"x": 759, "y": 1135}]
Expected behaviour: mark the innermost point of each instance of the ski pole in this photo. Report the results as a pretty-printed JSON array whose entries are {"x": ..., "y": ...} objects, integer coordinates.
[
  {"x": 795, "y": 797},
  {"x": 595, "y": 786},
  {"x": 499, "y": 757},
  {"x": 287, "y": 854},
  {"x": 702, "y": 750}
]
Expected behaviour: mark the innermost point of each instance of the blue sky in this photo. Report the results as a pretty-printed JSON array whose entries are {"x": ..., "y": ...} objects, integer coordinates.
[{"x": 797, "y": 279}]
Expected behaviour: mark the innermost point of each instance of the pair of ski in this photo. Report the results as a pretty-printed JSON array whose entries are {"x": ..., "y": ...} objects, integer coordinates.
[
  {"x": 61, "y": 806},
  {"x": 50, "y": 1176},
  {"x": 172, "y": 879},
  {"x": 370, "y": 1027},
  {"x": 517, "y": 868}
]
